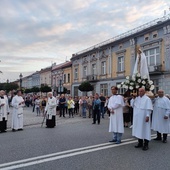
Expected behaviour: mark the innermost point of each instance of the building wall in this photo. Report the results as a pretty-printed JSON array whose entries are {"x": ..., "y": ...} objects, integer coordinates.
[
  {"x": 45, "y": 78},
  {"x": 68, "y": 71},
  {"x": 152, "y": 38}
]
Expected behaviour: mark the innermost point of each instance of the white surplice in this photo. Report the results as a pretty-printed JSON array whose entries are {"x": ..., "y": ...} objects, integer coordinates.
[
  {"x": 116, "y": 103},
  {"x": 161, "y": 109},
  {"x": 4, "y": 109},
  {"x": 142, "y": 107},
  {"x": 17, "y": 114},
  {"x": 51, "y": 107}
]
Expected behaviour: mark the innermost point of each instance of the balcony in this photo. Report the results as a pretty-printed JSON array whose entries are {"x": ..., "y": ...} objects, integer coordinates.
[
  {"x": 92, "y": 77},
  {"x": 157, "y": 69}
]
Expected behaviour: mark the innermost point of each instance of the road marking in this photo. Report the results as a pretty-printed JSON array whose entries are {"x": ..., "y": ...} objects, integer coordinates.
[{"x": 63, "y": 154}]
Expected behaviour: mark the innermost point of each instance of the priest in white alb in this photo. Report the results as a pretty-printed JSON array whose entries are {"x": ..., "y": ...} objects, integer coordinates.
[
  {"x": 4, "y": 111},
  {"x": 160, "y": 117},
  {"x": 142, "y": 107},
  {"x": 17, "y": 114},
  {"x": 115, "y": 107},
  {"x": 50, "y": 110}
]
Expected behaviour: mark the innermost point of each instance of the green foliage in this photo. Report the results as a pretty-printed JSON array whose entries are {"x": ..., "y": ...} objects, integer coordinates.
[
  {"x": 45, "y": 88},
  {"x": 35, "y": 89},
  {"x": 85, "y": 87},
  {"x": 27, "y": 91},
  {"x": 8, "y": 86}
]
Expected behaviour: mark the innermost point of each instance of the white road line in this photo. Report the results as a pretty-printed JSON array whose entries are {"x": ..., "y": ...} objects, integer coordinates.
[
  {"x": 63, "y": 154},
  {"x": 59, "y": 153}
]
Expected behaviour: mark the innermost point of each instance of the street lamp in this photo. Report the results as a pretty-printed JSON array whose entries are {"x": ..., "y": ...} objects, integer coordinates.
[{"x": 20, "y": 80}]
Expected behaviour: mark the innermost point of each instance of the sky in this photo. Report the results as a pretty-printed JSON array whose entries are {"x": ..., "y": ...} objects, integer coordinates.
[{"x": 35, "y": 34}]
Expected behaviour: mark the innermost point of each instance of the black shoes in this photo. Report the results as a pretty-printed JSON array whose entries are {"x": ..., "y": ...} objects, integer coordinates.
[
  {"x": 20, "y": 129},
  {"x": 145, "y": 148},
  {"x": 158, "y": 139},
  {"x": 114, "y": 140},
  {"x": 164, "y": 141},
  {"x": 139, "y": 146}
]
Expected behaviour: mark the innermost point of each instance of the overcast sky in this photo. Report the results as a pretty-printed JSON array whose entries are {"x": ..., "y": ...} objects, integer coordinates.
[{"x": 36, "y": 33}]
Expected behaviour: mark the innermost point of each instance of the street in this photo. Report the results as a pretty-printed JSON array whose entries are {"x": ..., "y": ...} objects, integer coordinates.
[{"x": 77, "y": 144}]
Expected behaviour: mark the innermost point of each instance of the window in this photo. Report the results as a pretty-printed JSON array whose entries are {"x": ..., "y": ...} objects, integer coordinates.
[
  {"x": 104, "y": 89},
  {"x": 120, "y": 64},
  {"x": 155, "y": 35},
  {"x": 69, "y": 78},
  {"x": 93, "y": 68},
  {"x": 103, "y": 67},
  {"x": 76, "y": 73},
  {"x": 146, "y": 38},
  {"x": 64, "y": 78},
  {"x": 156, "y": 84},
  {"x": 152, "y": 56},
  {"x": 84, "y": 71}
]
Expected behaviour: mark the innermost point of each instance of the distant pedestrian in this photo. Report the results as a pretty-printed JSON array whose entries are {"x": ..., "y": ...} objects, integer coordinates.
[
  {"x": 84, "y": 106},
  {"x": 17, "y": 114},
  {"x": 37, "y": 106},
  {"x": 62, "y": 102},
  {"x": 43, "y": 105},
  {"x": 70, "y": 104},
  {"x": 96, "y": 109},
  {"x": 103, "y": 101}
]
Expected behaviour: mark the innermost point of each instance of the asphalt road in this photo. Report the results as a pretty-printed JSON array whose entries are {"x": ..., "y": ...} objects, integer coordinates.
[{"x": 78, "y": 145}]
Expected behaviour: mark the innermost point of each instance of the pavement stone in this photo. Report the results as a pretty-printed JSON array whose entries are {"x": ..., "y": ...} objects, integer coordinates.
[{"x": 31, "y": 119}]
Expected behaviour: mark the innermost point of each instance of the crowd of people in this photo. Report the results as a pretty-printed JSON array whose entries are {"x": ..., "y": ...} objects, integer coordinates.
[{"x": 139, "y": 112}]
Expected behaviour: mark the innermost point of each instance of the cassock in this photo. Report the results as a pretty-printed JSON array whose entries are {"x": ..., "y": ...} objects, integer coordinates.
[
  {"x": 161, "y": 109},
  {"x": 116, "y": 124},
  {"x": 17, "y": 114},
  {"x": 142, "y": 107},
  {"x": 50, "y": 110},
  {"x": 4, "y": 110}
]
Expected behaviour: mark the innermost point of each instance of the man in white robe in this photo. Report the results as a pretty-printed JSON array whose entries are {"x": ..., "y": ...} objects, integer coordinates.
[
  {"x": 160, "y": 117},
  {"x": 141, "y": 65},
  {"x": 50, "y": 110},
  {"x": 142, "y": 107},
  {"x": 17, "y": 114},
  {"x": 115, "y": 107},
  {"x": 4, "y": 111}
]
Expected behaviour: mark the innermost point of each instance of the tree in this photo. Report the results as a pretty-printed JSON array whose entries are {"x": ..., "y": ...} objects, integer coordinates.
[
  {"x": 35, "y": 89},
  {"x": 27, "y": 91},
  {"x": 45, "y": 88},
  {"x": 85, "y": 87},
  {"x": 9, "y": 86}
]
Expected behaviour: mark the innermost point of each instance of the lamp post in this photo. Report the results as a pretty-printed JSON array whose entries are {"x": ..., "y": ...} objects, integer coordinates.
[{"x": 20, "y": 80}]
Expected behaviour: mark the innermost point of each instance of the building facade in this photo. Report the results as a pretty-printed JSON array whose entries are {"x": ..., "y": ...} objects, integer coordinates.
[
  {"x": 61, "y": 77},
  {"x": 108, "y": 63},
  {"x": 45, "y": 76}
]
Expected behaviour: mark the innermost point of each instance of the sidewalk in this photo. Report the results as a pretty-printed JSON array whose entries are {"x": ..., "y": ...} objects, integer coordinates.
[{"x": 30, "y": 118}]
